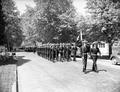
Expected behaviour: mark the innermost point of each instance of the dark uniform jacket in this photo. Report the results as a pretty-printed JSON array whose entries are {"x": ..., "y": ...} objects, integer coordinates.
[
  {"x": 74, "y": 49},
  {"x": 94, "y": 51},
  {"x": 84, "y": 50}
]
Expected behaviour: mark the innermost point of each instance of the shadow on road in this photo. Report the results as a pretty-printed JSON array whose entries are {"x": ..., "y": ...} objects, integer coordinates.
[
  {"x": 90, "y": 70},
  {"x": 21, "y": 61},
  {"x": 118, "y": 64}
]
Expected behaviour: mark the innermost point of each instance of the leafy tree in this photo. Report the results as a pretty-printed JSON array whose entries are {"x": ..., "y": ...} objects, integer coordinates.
[
  {"x": 2, "y": 26},
  {"x": 28, "y": 24},
  {"x": 13, "y": 33},
  {"x": 105, "y": 16},
  {"x": 56, "y": 20},
  {"x": 50, "y": 21}
]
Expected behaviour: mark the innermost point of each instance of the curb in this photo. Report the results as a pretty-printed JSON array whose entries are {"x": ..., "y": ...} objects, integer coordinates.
[{"x": 14, "y": 86}]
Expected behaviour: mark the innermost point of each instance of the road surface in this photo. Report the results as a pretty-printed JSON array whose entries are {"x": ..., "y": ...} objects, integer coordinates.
[{"x": 36, "y": 74}]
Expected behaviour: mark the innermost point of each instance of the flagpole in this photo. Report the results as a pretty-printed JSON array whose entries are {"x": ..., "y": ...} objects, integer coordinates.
[{"x": 81, "y": 35}]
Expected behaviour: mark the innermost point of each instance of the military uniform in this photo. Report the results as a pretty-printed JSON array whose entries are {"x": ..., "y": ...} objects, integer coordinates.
[
  {"x": 68, "y": 53},
  {"x": 61, "y": 53},
  {"x": 94, "y": 56},
  {"x": 56, "y": 52},
  {"x": 64, "y": 53},
  {"x": 49, "y": 52},
  {"x": 74, "y": 50},
  {"x": 84, "y": 51},
  {"x": 52, "y": 53}
]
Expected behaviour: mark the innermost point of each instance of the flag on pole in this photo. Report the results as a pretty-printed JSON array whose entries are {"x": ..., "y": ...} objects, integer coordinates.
[{"x": 78, "y": 38}]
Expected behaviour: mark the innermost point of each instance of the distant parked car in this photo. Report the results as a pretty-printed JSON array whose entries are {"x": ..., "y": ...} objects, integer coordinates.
[{"x": 115, "y": 57}]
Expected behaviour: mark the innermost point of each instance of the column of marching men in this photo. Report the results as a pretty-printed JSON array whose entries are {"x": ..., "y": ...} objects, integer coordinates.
[
  {"x": 64, "y": 52},
  {"x": 58, "y": 52}
]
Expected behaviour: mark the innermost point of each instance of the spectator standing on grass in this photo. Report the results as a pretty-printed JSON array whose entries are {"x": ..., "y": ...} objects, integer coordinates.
[{"x": 94, "y": 55}]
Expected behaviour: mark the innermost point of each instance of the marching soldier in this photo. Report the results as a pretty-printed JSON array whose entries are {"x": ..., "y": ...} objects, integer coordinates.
[
  {"x": 52, "y": 53},
  {"x": 56, "y": 52},
  {"x": 68, "y": 53},
  {"x": 74, "y": 50},
  {"x": 61, "y": 52},
  {"x": 44, "y": 51},
  {"x": 64, "y": 52},
  {"x": 49, "y": 53}
]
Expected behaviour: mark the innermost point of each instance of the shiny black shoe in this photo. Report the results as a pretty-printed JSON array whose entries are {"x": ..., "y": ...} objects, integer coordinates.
[{"x": 95, "y": 71}]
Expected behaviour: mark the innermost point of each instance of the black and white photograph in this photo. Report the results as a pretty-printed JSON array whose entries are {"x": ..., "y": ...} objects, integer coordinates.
[{"x": 59, "y": 45}]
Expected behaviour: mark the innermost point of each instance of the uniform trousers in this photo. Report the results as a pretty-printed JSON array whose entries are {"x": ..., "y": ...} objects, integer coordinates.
[
  {"x": 94, "y": 58},
  {"x": 84, "y": 59}
]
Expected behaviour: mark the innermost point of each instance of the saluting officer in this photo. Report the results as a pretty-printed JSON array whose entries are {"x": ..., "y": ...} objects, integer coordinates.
[{"x": 84, "y": 51}]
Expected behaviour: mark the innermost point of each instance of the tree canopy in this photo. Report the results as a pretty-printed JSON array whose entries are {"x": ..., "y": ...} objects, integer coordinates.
[
  {"x": 105, "y": 16},
  {"x": 52, "y": 21},
  {"x": 56, "y": 21},
  {"x": 10, "y": 22}
]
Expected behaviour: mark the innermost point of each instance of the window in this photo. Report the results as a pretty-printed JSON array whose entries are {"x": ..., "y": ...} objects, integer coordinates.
[{"x": 101, "y": 45}]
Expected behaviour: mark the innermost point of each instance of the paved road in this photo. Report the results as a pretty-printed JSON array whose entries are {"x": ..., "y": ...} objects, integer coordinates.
[
  {"x": 8, "y": 78},
  {"x": 36, "y": 74}
]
